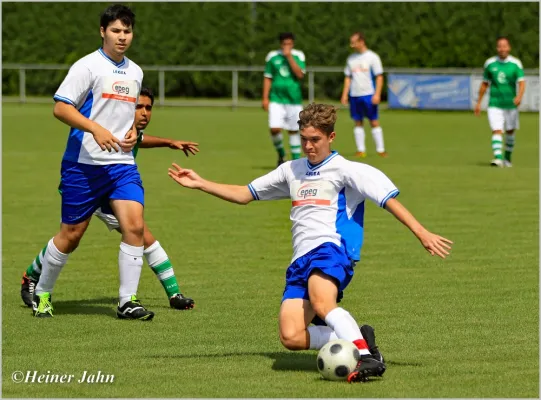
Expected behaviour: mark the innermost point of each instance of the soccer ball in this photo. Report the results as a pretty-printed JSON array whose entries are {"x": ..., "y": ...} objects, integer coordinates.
[{"x": 337, "y": 359}]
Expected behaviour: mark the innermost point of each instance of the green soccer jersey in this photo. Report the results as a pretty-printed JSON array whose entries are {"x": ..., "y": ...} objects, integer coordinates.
[
  {"x": 139, "y": 140},
  {"x": 503, "y": 76},
  {"x": 286, "y": 87}
]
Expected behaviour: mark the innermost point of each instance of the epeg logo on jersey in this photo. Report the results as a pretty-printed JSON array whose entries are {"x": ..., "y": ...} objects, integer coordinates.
[
  {"x": 120, "y": 90},
  {"x": 318, "y": 193}
]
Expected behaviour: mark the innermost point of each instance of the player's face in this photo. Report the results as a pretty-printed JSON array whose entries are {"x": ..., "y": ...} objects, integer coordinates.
[
  {"x": 143, "y": 112},
  {"x": 503, "y": 48},
  {"x": 287, "y": 43},
  {"x": 117, "y": 38},
  {"x": 316, "y": 144},
  {"x": 356, "y": 43}
]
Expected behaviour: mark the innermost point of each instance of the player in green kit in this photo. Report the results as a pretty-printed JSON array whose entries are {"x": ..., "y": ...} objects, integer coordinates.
[
  {"x": 282, "y": 94},
  {"x": 156, "y": 257},
  {"x": 502, "y": 73}
]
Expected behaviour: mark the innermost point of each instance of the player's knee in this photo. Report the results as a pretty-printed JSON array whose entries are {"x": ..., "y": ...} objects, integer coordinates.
[
  {"x": 359, "y": 123},
  {"x": 71, "y": 235},
  {"x": 275, "y": 131},
  {"x": 292, "y": 339},
  {"x": 374, "y": 124},
  {"x": 134, "y": 227}
]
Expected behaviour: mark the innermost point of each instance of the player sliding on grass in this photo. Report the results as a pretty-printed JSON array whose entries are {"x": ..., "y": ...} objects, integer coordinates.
[
  {"x": 328, "y": 194},
  {"x": 155, "y": 255}
]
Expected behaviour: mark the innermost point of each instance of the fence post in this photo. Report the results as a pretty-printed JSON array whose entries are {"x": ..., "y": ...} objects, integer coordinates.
[
  {"x": 161, "y": 85},
  {"x": 311, "y": 87},
  {"x": 22, "y": 85},
  {"x": 235, "y": 89}
]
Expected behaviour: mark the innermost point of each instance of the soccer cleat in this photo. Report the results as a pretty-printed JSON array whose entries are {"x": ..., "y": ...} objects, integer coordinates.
[
  {"x": 180, "y": 302},
  {"x": 383, "y": 154},
  {"x": 368, "y": 334},
  {"x": 366, "y": 367},
  {"x": 133, "y": 309},
  {"x": 360, "y": 154},
  {"x": 41, "y": 305},
  {"x": 280, "y": 161},
  {"x": 497, "y": 163},
  {"x": 28, "y": 285},
  {"x": 507, "y": 163}
]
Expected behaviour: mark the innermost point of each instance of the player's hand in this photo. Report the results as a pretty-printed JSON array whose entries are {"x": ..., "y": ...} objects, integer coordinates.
[
  {"x": 344, "y": 100},
  {"x": 286, "y": 50},
  {"x": 435, "y": 244},
  {"x": 129, "y": 141},
  {"x": 105, "y": 139},
  {"x": 184, "y": 146},
  {"x": 517, "y": 100},
  {"x": 376, "y": 99},
  {"x": 185, "y": 177},
  {"x": 265, "y": 104},
  {"x": 477, "y": 110}
]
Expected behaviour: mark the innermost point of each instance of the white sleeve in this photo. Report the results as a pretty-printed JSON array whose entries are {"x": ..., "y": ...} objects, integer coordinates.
[
  {"x": 272, "y": 186},
  {"x": 377, "y": 68},
  {"x": 347, "y": 70},
  {"x": 75, "y": 86},
  {"x": 371, "y": 183}
]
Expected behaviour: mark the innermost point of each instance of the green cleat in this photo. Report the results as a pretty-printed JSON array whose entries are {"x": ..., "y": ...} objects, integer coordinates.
[{"x": 41, "y": 305}]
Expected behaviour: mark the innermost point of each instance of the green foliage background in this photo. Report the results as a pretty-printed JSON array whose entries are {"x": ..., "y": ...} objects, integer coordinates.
[{"x": 404, "y": 34}]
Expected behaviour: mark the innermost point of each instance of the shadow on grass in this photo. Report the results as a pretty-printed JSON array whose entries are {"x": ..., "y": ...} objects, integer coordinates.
[{"x": 102, "y": 306}]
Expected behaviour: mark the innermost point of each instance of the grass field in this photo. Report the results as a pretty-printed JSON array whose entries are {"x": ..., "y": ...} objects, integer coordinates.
[{"x": 467, "y": 326}]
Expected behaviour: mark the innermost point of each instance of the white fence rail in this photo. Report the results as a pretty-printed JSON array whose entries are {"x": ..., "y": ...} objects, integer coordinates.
[{"x": 234, "y": 70}]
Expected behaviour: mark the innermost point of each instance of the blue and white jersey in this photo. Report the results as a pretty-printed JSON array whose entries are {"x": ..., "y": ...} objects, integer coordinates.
[
  {"x": 105, "y": 92},
  {"x": 363, "y": 68},
  {"x": 327, "y": 200}
]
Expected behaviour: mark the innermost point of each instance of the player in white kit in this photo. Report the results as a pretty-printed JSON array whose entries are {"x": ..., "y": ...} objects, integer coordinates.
[
  {"x": 363, "y": 83},
  {"x": 97, "y": 100},
  {"x": 328, "y": 194}
]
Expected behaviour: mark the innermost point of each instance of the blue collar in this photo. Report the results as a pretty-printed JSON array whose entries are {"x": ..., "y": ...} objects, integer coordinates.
[
  {"x": 312, "y": 167},
  {"x": 120, "y": 64}
]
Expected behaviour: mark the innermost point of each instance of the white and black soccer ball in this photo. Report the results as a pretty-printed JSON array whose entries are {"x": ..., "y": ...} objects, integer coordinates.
[{"x": 337, "y": 359}]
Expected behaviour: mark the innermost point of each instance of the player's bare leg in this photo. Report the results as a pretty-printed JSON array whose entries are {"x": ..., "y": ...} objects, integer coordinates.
[
  {"x": 130, "y": 259},
  {"x": 158, "y": 261},
  {"x": 359, "y": 135},
  {"x": 55, "y": 257},
  {"x": 377, "y": 135},
  {"x": 509, "y": 146},
  {"x": 294, "y": 318}
]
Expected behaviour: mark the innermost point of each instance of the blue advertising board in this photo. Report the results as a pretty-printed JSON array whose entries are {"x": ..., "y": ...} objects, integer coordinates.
[{"x": 429, "y": 92}]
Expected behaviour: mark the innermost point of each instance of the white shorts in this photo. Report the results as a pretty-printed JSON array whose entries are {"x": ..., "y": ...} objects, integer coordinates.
[
  {"x": 284, "y": 116},
  {"x": 503, "y": 120},
  {"x": 108, "y": 219}
]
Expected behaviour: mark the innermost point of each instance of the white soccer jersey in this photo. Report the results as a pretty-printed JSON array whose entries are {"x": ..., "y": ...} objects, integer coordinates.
[
  {"x": 106, "y": 92},
  {"x": 362, "y": 68},
  {"x": 327, "y": 200}
]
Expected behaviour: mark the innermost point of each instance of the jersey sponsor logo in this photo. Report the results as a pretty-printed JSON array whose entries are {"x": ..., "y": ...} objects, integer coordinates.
[
  {"x": 118, "y": 71},
  {"x": 119, "y": 90},
  {"x": 317, "y": 193},
  {"x": 284, "y": 71},
  {"x": 312, "y": 173},
  {"x": 501, "y": 77}
]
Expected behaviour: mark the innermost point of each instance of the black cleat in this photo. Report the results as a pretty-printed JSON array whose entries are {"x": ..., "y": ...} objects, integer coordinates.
[
  {"x": 28, "y": 285},
  {"x": 180, "y": 302},
  {"x": 368, "y": 334},
  {"x": 366, "y": 367},
  {"x": 133, "y": 309}
]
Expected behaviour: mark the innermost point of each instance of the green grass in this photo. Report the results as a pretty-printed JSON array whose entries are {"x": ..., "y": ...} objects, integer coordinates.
[{"x": 462, "y": 327}]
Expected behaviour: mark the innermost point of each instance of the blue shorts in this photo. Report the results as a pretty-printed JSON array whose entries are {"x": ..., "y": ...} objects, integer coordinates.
[
  {"x": 329, "y": 259},
  {"x": 85, "y": 188},
  {"x": 361, "y": 107}
]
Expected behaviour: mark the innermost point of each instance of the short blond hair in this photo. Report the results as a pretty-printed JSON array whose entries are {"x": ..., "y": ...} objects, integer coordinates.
[{"x": 318, "y": 116}]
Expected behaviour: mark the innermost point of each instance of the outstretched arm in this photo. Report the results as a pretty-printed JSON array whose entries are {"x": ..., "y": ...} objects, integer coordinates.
[
  {"x": 232, "y": 193},
  {"x": 434, "y": 244},
  {"x": 150, "y": 142}
]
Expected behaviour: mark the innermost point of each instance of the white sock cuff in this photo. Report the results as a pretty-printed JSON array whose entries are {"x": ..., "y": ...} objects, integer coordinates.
[
  {"x": 358, "y": 130},
  {"x": 497, "y": 136},
  {"x": 55, "y": 253},
  {"x": 377, "y": 130},
  {"x": 134, "y": 251},
  {"x": 152, "y": 247},
  {"x": 155, "y": 255},
  {"x": 335, "y": 315},
  {"x": 295, "y": 139},
  {"x": 277, "y": 138}
]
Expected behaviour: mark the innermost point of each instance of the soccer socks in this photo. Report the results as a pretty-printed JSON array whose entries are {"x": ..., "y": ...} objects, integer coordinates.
[
  {"x": 52, "y": 262},
  {"x": 358, "y": 132},
  {"x": 158, "y": 260},
  {"x": 295, "y": 145},
  {"x": 278, "y": 142},
  {"x": 509, "y": 145},
  {"x": 377, "y": 134},
  {"x": 320, "y": 336},
  {"x": 497, "y": 145},
  {"x": 34, "y": 270},
  {"x": 345, "y": 327},
  {"x": 130, "y": 264}
]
